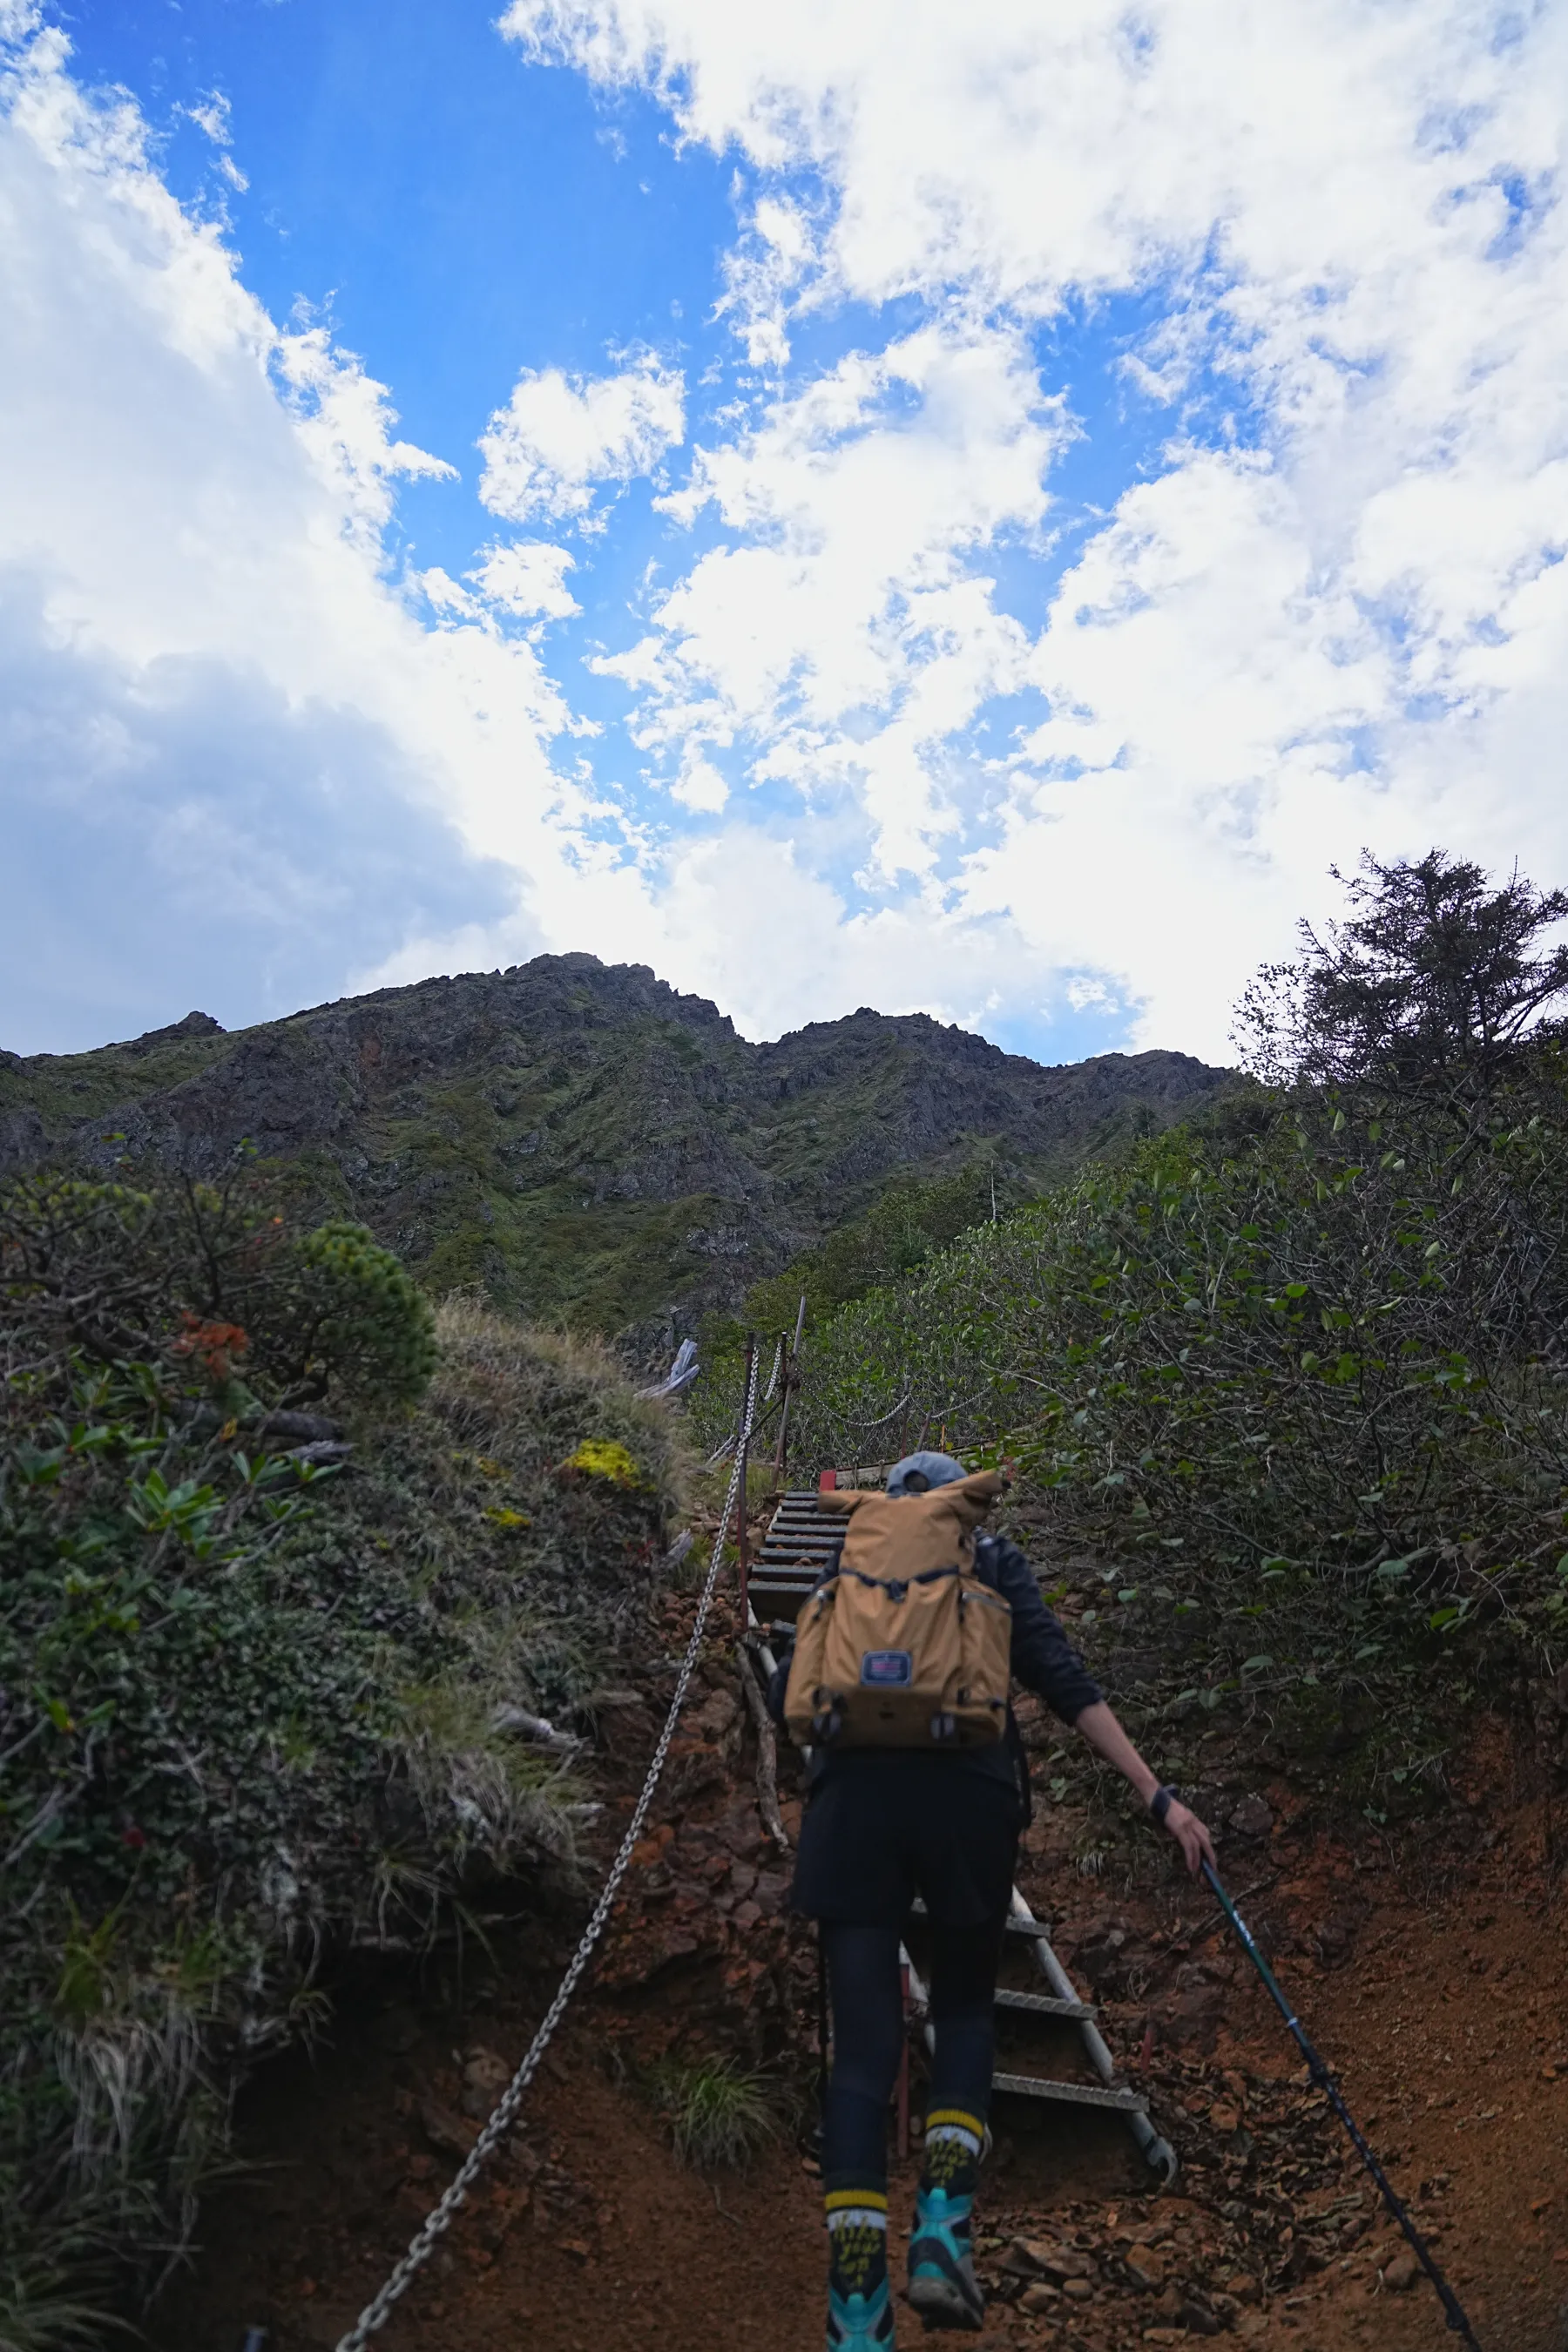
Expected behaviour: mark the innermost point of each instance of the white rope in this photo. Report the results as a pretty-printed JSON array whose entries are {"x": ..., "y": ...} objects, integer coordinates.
[
  {"x": 845, "y": 1422},
  {"x": 439, "y": 2220}
]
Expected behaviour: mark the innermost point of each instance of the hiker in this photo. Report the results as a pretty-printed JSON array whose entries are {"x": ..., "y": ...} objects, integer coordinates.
[{"x": 941, "y": 1819}]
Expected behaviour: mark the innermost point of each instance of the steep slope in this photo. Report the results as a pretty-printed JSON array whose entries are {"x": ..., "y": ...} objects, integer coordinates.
[{"x": 580, "y": 1138}]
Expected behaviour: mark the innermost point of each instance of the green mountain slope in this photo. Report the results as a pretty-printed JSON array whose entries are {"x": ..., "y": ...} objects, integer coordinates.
[{"x": 582, "y": 1139}]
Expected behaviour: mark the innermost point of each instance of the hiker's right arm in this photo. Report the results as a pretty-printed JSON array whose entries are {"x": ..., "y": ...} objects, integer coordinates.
[{"x": 1106, "y": 1737}]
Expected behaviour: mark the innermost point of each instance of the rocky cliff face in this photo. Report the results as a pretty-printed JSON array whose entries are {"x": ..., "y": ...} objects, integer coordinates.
[{"x": 579, "y": 1138}]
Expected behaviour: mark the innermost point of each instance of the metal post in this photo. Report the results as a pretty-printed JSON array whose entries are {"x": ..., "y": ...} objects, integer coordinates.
[
  {"x": 792, "y": 1350},
  {"x": 741, "y": 1486}
]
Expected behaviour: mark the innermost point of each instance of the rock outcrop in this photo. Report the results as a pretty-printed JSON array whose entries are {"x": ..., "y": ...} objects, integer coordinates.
[{"x": 580, "y": 1138}]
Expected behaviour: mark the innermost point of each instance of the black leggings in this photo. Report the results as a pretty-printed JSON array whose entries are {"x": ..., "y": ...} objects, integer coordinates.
[{"x": 869, "y": 2035}]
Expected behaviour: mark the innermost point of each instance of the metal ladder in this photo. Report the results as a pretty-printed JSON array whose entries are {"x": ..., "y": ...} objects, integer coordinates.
[{"x": 799, "y": 1546}]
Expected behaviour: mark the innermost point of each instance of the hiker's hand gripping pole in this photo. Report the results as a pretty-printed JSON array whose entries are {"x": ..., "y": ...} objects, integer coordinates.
[{"x": 1453, "y": 2310}]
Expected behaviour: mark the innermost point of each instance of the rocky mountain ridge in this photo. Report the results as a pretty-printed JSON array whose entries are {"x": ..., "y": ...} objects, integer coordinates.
[{"x": 580, "y": 1139}]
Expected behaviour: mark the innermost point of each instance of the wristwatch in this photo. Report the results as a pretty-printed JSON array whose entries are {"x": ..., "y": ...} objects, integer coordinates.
[{"x": 1160, "y": 1803}]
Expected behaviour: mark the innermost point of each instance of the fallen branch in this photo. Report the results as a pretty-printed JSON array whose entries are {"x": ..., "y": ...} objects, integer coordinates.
[{"x": 767, "y": 1757}]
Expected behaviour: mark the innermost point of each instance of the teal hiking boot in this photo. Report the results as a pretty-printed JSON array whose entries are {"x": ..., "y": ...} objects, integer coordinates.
[
  {"x": 859, "y": 2307},
  {"x": 861, "y": 2323},
  {"x": 942, "y": 2285},
  {"x": 943, "y": 2288}
]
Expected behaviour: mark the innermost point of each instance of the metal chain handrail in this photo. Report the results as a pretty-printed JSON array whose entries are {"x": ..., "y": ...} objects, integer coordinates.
[
  {"x": 729, "y": 1445},
  {"x": 438, "y": 2220}
]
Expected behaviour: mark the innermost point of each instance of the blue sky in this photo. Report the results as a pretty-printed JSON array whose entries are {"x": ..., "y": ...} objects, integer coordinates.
[{"x": 975, "y": 512}]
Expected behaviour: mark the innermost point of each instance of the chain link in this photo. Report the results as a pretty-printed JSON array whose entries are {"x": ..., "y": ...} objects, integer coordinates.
[{"x": 438, "y": 2220}]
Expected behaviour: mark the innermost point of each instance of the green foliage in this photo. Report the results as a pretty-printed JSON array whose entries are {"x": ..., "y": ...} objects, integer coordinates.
[
  {"x": 717, "y": 2111},
  {"x": 253, "y": 1704},
  {"x": 360, "y": 1318},
  {"x": 903, "y": 1230},
  {"x": 588, "y": 1148},
  {"x": 1428, "y": 986},
  {"x": 1300, "y": 1370},
  {"x": 215, "y": 1278}
]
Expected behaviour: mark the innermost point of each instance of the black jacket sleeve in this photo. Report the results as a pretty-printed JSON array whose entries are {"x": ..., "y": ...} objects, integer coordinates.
[{"x": 1044, "y": 1659}]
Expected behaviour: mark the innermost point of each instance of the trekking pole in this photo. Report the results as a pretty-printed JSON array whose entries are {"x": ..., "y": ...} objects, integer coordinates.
[{"x": 1453, "y": 2310}]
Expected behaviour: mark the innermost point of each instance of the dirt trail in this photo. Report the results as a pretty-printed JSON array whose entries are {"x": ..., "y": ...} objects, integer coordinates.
[{"x": 1447, "y": 2016}]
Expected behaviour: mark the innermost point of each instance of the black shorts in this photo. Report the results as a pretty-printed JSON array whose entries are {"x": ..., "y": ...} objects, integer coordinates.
[{"x": 886, "y": 1824}]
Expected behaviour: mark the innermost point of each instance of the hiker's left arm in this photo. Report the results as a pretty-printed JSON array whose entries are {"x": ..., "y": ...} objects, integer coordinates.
[
  {"x": 1106, "y": 1737},
  {"x": 1044, "y": 1659}
]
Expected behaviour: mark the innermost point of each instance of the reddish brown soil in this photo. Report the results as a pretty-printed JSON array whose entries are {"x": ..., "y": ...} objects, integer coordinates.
[{"x": 1446, "y": 2012}]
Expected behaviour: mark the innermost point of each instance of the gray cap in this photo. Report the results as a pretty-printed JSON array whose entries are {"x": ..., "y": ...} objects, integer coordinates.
[{"x": 927, "y": 1469}]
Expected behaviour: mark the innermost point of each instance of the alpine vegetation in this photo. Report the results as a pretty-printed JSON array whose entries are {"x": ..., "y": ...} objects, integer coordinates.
[
  {"x": 1294, "y": 1371},
  {"x": 291, "y": 1568}
]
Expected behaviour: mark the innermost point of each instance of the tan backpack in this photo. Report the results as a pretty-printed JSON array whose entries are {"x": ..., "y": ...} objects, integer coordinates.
[{"x": 904, "y": 1647}]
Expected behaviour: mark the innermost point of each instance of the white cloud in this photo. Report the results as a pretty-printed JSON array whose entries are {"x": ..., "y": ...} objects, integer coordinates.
[
  {"x": 849, "y": 633},
  {"x": 560, "y": 437},
  {"x": 527, "y": 578},
  {"x": 211, "y": 117},
  {"x": 1331, "y": 608},
  {"x": 1338, "y": 617},
  {"x": 700, "y": 787},
  {"x": 210, "y": 669}
]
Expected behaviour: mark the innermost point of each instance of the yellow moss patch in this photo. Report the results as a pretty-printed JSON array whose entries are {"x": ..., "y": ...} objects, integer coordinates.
[{"x": 604, "y": 1457}]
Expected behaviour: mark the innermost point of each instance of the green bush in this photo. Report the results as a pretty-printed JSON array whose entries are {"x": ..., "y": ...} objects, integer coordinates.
[
  {"x": 254, "y": 1700},
  {"x": 1300, "y": 1372}
]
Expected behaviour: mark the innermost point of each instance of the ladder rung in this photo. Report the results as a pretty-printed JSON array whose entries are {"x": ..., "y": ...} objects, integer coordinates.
[
  {"x": 1045, "y": 2004},
  {"x": 1073, "y": 2094},
  {"x": 1033, "y": 1928}
]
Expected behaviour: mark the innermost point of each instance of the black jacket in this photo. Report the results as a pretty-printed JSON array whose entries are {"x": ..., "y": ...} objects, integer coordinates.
[{"x": 1043, "y": 1660}]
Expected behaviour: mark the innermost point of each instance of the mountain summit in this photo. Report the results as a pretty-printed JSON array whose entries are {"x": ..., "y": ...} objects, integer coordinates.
[{"x": 579, "y": 1138}]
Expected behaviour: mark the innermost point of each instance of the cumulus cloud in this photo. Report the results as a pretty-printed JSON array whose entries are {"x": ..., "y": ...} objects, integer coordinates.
[
  {"x": 1014, "y": 755},
  {"x": 561, "y": 437},
  {"x": 1329, "y": 609},
  {"x": 847, "y": 634},
  {"x": 528, "y": 578},
  {"x": 236, "y": 725},
  {"x": 229, "y": 848}
]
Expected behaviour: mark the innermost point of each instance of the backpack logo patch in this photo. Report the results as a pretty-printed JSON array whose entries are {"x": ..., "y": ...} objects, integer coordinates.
[{"x": 886, "y": 1669}]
